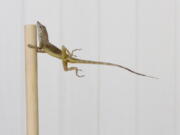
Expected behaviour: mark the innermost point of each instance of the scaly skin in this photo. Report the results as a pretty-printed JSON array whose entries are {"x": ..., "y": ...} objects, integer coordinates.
[{"x": 66, "y": 56}]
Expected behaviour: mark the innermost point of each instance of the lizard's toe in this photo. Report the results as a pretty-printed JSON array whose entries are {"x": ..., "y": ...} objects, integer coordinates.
[
  {"x": 72, "y": 52},
  {"x": 77, "y": 73},
  {"x": 31, "y": 46}
]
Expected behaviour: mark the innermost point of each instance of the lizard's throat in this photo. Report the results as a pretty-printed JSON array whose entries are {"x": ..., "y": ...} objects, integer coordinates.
[{"x": 43, "y": 39}]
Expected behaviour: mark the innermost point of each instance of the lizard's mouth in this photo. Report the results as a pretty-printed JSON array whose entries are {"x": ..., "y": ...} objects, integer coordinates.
[
  {"x": 38, "y": 23},
  {"x": 38, "y": 26}
]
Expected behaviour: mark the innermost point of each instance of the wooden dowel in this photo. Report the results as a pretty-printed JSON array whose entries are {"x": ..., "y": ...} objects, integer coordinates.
[{"x": 31, "y": 81}]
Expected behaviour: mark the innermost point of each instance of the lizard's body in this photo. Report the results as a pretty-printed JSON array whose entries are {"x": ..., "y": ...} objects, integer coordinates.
[{"x": 46, "y": 47}]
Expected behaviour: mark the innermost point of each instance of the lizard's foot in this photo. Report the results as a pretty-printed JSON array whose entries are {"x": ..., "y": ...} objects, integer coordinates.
[
  {"x": 72, "y": 69},
  {"x": 31, "y": 46},
  {"x": 72, "y": 52},
  {"x": 78, "y": 74},
  {"x": 37, "y": 48}
]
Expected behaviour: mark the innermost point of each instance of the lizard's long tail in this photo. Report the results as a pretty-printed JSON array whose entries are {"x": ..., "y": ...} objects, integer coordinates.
[{"x": 80, "y": 61}]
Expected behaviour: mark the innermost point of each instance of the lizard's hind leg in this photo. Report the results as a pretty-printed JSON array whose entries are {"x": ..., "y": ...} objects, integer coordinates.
[
  {"x": 66, "y": 68},
  {"x": 67, "y": 52},
  {"x": 72, "y": 52}
]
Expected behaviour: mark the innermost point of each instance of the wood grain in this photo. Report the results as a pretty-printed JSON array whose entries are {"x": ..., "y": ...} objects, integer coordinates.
[{"x": 31, "y": 80}]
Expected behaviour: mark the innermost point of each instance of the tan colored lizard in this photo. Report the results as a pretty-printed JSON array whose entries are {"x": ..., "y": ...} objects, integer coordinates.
[{"x": 65, "y": 55}]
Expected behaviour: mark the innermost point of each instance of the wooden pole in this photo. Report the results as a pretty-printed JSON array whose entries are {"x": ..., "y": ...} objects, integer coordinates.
[{"x": 31, "y": 81}]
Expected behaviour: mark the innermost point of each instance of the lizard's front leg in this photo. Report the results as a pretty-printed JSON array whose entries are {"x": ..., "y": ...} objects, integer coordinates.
[{"x": 38, "y": 49}]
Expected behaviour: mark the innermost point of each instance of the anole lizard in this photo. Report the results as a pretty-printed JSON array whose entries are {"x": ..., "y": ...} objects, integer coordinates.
[{"x": 65, "y": 55}]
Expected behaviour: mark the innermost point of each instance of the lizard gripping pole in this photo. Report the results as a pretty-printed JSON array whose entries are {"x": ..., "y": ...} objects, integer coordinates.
[{"x": 32, "y": 122}]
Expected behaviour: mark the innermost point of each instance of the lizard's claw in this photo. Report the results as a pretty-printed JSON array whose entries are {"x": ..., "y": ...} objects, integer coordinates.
[
  {"x": 30, "y": 46},
  {"x": 38, "y": 49},
  {"x": 78, "y": 74},
  {"x": 72, "y": 52}
]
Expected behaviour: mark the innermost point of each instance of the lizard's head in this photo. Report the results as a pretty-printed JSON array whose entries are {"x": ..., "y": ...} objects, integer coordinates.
[
  {"x": 42, "y": 32},
  {"x": 41, "y": 28}
]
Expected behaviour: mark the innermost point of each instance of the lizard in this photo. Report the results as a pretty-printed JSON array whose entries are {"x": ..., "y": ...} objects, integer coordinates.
[{"x": 45, "y": 46}]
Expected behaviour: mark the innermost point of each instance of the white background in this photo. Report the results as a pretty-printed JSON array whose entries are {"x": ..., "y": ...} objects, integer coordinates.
[{"x": 140, "y": 34}]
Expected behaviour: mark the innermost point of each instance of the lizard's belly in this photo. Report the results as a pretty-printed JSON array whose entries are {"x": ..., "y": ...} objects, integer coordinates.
[{"x": 52, "y": 53}]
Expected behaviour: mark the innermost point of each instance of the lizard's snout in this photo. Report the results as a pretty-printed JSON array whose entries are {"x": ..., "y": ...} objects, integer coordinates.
[{"x": 38, "y": 23}]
